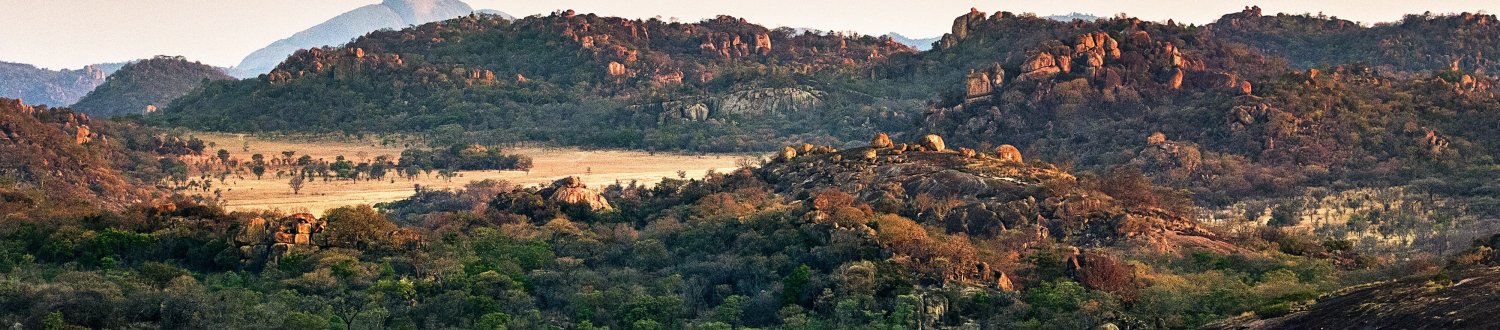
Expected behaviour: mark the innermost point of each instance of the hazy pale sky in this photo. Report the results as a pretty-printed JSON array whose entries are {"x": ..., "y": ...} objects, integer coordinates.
[{"x": 74, "y": 33}]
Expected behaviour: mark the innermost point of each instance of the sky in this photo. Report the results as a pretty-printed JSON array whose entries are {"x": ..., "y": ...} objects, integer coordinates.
[{"x": 72, "y": 33}]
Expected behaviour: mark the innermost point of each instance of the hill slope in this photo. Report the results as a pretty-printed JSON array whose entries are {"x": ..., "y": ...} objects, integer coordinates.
[
  {"x": 61, "y": 161},
  {"x": 721, "y": 84},
  {"x": 389, "y": 14},
  {"x": 41, "y": 86},
  {"x": 144, "y": 86}
]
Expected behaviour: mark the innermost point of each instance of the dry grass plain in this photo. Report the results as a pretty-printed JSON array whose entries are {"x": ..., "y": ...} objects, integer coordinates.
[{"x": 597, "y": 168}]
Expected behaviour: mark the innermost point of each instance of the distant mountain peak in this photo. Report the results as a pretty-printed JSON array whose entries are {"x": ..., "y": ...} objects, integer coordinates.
[{"x": 389, "y": 14}]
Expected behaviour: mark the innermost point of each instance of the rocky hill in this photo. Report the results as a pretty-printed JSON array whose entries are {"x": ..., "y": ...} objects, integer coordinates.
[
  {"x": 143, "y": 87},
  {"x": 984, "y": 193},
  {"x": 1419, "y": 42},
  {"x": 61, "y": 161},
  {"x": 389, "y": 14},
  {"x": 1218, "y": 109},
  {"x": 616, "y": 82},
  {"x": 42, "y": 86},
  {"x": 1457, "y": 301}
]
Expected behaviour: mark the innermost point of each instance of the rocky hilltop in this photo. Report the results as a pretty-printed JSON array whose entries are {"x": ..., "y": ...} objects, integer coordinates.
[
  {"x": 57, "y": 88},
  {"x": 984, "y": 193},
  {"x": 389, "y": 14},
  {"x": 145, "y": 86},
  {"x": 621, "y": 78},
  {"x": 56, "y": 158},
  {"x": 1458, "y": 301}
]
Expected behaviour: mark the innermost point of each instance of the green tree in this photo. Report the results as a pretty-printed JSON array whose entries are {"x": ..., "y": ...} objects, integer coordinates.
[{"x": 357, "y": 227}]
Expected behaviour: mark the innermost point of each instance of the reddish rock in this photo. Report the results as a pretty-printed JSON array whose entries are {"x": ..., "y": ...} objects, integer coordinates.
[
  {"x": 932, "y": 142},
  {"x": 616, "y": 69},
  {"x": 1009, "y": 153},
  {"x": 881, "y": 141}
]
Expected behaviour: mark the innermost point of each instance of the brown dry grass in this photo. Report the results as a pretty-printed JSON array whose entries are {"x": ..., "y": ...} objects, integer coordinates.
[{"x": 597, "y": 168}]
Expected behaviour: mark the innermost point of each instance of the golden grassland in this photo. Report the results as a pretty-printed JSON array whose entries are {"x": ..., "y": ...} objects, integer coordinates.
[{"x": 597, "y": 168}]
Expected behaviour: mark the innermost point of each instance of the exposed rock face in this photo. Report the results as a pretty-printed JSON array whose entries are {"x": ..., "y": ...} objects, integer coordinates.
[
  {"x": 982, "y": 84},
  {"x": 616, "y": 69},
  {"x": 1436, "y": 142},
  {"x": 787, "y": 154},
  {"x": 55, "y": 88},
  {"x": 696, "y": 112},
  {"x": 770, "y": 100},
  {"x": 1040, "y": 66},
  {"x": 571, "y": 190},
  {"x": 389, "y": 14},
  {"x": 933, "y": 142},
  {"x": 881, "y": 141},
  {"x": 763, "y": 44},
  {"x": 1097, "y": 43},
  {"x": 81, "y": 136},
  {"x": 1009, "y": 153},
  {"x": 1175, "y": 81},
  {"x": 978, "y": 85},
  {"x": 298, "y": 229},
  {"x": 1416, "y": 302},
  {"x": 962, "y": 26},
  {"x": 1003, "y": 283}
]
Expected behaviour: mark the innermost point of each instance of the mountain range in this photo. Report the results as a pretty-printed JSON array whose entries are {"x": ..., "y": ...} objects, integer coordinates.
[{"x": 42, "y": 86}]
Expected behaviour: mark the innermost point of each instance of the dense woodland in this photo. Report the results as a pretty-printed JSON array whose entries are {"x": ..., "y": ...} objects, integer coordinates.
[{"x": 1132, "y": 131}]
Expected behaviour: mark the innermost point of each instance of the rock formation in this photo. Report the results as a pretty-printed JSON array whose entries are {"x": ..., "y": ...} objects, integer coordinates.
[
  {"x": 770, "y": 100},
  {"x": 571, "y": 190},
  {"x": 1175, "y": 81},
  {"x": 881, "y": 141},
  {"x": 1009, "y": 153},
  {"x": 982, "y": 84},
  {"x": 616, "y": 69},
  {"x": 298, "y": 229},
  {"x": 962, "y": 26},
  {"x": 933, "y": 142},
  {"x": 763, "y": 44},
  {"x": 1040, "y": 66}
]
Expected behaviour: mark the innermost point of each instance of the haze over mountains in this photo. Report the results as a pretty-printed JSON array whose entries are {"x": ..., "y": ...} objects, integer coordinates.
[
  {"x": 42, "y": 86},
  {"x": 389, "y": 14}
]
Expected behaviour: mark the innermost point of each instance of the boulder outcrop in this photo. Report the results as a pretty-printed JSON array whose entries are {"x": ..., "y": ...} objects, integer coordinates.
[
  {"x": 572, "y": 190},
  {"x": 1040, "y": 66},
  {"x": 933, "y": 142},
  {"x": 1009, "y": 153},
  {"x": 881, "y": 141}
]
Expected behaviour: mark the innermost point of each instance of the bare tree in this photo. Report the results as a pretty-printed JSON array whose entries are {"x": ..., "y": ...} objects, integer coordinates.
[{"x": 296, "y": 184}]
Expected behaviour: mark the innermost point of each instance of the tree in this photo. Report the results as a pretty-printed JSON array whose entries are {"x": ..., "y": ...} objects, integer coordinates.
[
  {"x": 296, "y": 184},
  {"x": 259, "y": 170},
  {"x": 223, "y": 156},
  {"x": 357, "y": 227}
]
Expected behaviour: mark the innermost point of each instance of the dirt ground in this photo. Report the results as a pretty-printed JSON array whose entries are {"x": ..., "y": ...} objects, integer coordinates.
[{"x": 597, "y": 168}]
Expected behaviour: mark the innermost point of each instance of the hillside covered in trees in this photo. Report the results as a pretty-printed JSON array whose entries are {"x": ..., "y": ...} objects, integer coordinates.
[
  {"x": 1237, "y": 108},
  {"x": 146, "y": 85},
  {"x": 952, "y": 237},
  {"x": 1174, "y": 176},
  {"x": 722, "y": 84}
]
